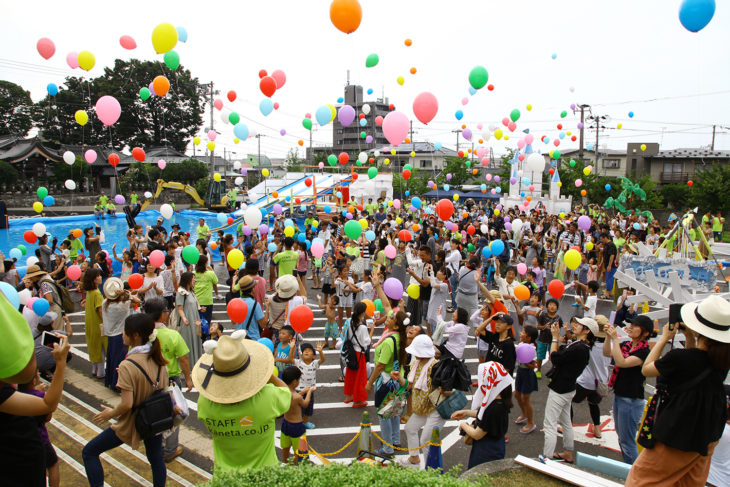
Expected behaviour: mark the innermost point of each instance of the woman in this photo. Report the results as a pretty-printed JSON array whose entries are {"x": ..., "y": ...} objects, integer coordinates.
[
  {"x": 568, "y": 364},
  {"x": 358, "y": 334},
  {"x": 152, "y": 285},
  {"x": 691, "y": 419},
  {"x": 282, "y": 302},
  {"x": 187, "y": 308},
  {"x": 145, "y": 351},
  {"x": 205, "y": 283},
  {"x": 96, "y": 342},
  {"x": 627, "y": 381},
  {"x": 439, "y": 291},
  {"x": 227, "y": 244},
  {"x": 423, "y": 413},
  {"x": 114, "y": 310},
  {"x": 254, "y": 319},
  {"x": 467, "y": 293},
  {"x": 91, "y": 242}
]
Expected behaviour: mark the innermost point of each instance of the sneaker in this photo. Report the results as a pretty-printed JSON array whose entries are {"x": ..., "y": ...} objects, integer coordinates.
[
  {"x": 539, "y": 375},
  {"x": 575, "y": 304},
  {"x": 178, "y": 451},
  {"x": 309, "y": 425}
]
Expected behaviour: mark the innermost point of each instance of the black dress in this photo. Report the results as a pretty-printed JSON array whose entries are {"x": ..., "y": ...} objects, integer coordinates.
[{"x": 22, "y": 457}]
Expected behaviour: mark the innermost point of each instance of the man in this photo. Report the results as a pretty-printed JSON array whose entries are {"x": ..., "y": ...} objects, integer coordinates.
[
  {"x": 103, "y": 199},
  {"x": 608, "y": 266},
  {"x": 159, "y": 227},
  {"x": 380, "y": 215},
  {"x": 309, "y": 220},
  {"x": 421, "y": 272},
  {"x": 371, "y": 207},
  {"x": 287, "y": 259},
  {"x": 133, "y": 198},
  {"x": 45, "y": 287},
  {"x": 203, "y": 230}
]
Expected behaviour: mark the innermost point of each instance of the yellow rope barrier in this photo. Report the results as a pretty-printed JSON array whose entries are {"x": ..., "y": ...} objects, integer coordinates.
[
  {"x": 334, "y": 452},
  {"x": 429, "y": 442}
]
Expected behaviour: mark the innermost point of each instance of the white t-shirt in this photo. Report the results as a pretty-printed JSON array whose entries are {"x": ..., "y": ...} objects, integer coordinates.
[
  {"x": 151, "y": 293},
  {"x": 367, "y": 290},
  {"x": 309, "y": 373},
  {"x": 591, "y": 302}
]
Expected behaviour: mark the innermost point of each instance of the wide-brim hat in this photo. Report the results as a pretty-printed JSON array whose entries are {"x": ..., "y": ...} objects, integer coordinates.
[
  {"x": 34, "y": 270},
  {"x": 602, "y": 324},
  {"x": 589, "y": 323},
  {"x": 113, "y": 288},
  {"x": 710, "y": 318},
  {"x": 232, "y": 369},
  {"x": 17, "y": 339},
  {"x": 286, "y": 286},
  {"x": 421, "y": 347}
]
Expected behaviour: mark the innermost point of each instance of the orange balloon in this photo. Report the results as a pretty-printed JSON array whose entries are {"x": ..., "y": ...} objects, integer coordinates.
[
  {"x": 413, "y": 70},
  {"x": 213, "y": 245},
  {"x": 409, "y": 42},
  {"x": 481, "y": 141},
  {"x": 416, "y": 227},
  {"x": 583, "y": 192},
  {"x": 529, "y": 198},
  {"x": 475, "y": 171},
  {"x": 160, "y": 85},
  {"x": 346, "y": 15},
  {"x": 351, "y": 209},
  {"x": 407, "y": 140},
  {"x": 463, "y": 126},
  {"x": 522, "y": 293},
  {"x": 275, "y": 194},
  {"x": 301, "y": 142},
  {"x": 369, "y": 307},
  {"x": 465, "y": 215},
  {"x": 77, "y": 233}
]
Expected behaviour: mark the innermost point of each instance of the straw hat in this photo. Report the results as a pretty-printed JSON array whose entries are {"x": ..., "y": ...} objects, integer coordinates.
[
  {"x": 710, "y": 318},
  {"x": 421, "y": 347},
  {"x": 602, "y": 324},
  {"x": 286, "y": 286},
  {"x": 246, "y": 283},
  {"x": 232, "y": 369},
  {"x": 113, "y": 288},
  {"x": 34, "y": 270}
]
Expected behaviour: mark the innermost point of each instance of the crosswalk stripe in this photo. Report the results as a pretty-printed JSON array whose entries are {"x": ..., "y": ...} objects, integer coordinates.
[{"x": 69, "y": 460}]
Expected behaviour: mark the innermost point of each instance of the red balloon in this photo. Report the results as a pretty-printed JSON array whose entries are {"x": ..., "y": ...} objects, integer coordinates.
[
  {"x": 406, "y": 174},
  {"x": 301, "y": 318},
  {"x": 362, "y": 115},
  {"x": 237, "y": 310},
  {"x": 135, "y": 281},
  {"x": 297, "y": 201},
  {"x": 371, "y": 160},
  {"x": 461, "y": 153},
  {"x": 113, "y": 160},
  {"x": 230, "y": 220},
  {"x": 404, "y": 236},
  {"x": 30, "y": 237},
  {"x": 268, "y": 86},
  {"x": 574, "y": 138},
  {"x": 556, "y": 288},
  {"x": 471, "y": 230},
  {"x": 444, "y": 209},
  {"x": 138, "y": 154},
  {"x": 354, "y": 176},
  {"x": 231, "y": 95},
  {"x": 490, "y": 87},
  {"x": 359, "y": 207},
  {"x": 552, "y": 171},
  {"x": 576, "y": 248},
  {"x": 276, "y": 106},
  {"x": 308, "y": 182},
  {"x": 690, "y": 183},
  {"x": 262, "y": 73},
  {"x": 343, "y": 158},
  {"x": 560, "y": 126},
  {"x": 425, "y": 107},
  {"x": 391, "y": 107}
]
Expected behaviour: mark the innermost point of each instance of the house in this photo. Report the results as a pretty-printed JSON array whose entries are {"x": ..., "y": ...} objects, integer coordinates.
[
  {"x": 611, "y": 162},
  {"x": 679, "y": 165}
]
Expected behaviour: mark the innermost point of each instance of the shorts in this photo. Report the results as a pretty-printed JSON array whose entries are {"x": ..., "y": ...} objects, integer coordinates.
[
  {"x": 316, "y": 271},
  {"x": 542, "y": 350},
  {"x": 301, "y": 273},
  {"x": 50, "y": 454},
  {"x": 526, "y": 380},
  {"x": 482, "y": 347},
  {"x": 328, "y": 289},
  {"x": 290, "y": 434},
  {"x": 331, "y": 330},
  {"x": 309, "y": 410},
  {"x": 170, "y": 302}
]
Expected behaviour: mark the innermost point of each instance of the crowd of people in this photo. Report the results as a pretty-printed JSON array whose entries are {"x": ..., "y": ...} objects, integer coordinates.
[{"x": 412, "y": 285}]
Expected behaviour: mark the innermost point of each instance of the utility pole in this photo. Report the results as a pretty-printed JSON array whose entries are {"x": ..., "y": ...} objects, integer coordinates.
[
  {"x": 712, "y": 146},
  {"x": 258, "y": 137},
  {"x": 582, "y": 124},
  {"x": 211, "y": 93},
  {"x": 597, "y": 120},
  {"x": 457, "y": 132}
]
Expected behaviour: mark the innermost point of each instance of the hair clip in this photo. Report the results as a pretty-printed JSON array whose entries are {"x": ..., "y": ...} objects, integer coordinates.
[{"x": 407, "y": 321}]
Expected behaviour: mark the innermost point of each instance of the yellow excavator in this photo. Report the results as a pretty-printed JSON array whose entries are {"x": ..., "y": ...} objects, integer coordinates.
[{"x": 217, "y": 196}]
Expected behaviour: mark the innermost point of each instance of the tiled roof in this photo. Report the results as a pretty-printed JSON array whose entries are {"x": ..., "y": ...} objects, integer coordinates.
[{"x": 686, "y": 153}]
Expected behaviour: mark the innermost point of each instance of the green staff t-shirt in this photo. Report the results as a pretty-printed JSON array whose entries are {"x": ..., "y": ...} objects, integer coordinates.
[
  {"x": 173, "y": 347},
  {"x": 243, "y": 433},
  {"x": 287, "y": 260}
]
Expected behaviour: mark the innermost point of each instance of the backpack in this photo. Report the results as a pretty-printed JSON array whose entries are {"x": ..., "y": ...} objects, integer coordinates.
[
  {"x": 450, "y": 374},
  {"x": 349, "y": 353},
  {"x": 155, "y": 414},
  {"x": 66, "y": 302}
]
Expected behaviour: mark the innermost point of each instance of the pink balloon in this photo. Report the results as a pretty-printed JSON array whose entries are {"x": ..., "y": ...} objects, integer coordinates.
[
  {"x": 521, "y": 143},
  {"x": 512, "y": 126},
  {"x": 489, "y": 176},
  {"x": 90, "y": 156},
  {"x": 263, "y": 229},
  {"x": 494, "y": 191},
  {"x": 127, "y": 42},
  {"x": 321, "y": 165},
  {"x": 395, "y": 127},
  {"x": 425, "y": 107},
  {"x": 161, "y": 164},
  {"x": 157, "y": 258},
  {"x": 464, "y": 101},
  {"x": 522, "y": 268},
  {"x": 390, "y": 251},
  {"x": 479, "y": 126},
  {"x": 108, "y": 110},
  {"x": 505, "y": 121},
  {"x": 521, "y": 157},
  {"x": 46, "y": 47},
  {"x": 211, "y": 134},
  {"x": 317, "y": 249},
  {"x": 481, "y": 152},
  {"x": 578, "y": 183},
  {"x": 396, "y": 204},
  {"x": 74, "y": 272},
  {"x": 556, "y": 142},
  {"x": 279, "y": 77},
  {"x": 218, "y": 104},
  {"x": 72, "y": 59},
  {"x": 529, "y": 138}
]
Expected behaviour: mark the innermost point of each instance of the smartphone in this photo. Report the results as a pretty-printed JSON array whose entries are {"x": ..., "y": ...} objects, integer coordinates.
[
  {"x": 49, "y": 338},
  {"x": 675, "y": 313}
]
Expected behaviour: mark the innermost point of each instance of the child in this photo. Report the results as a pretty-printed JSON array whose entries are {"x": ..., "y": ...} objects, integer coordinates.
[
  {"x": 528, "y": 314},
  {"x": 582, "y": 272},
  {"x": 526, "y": 383},
  {"x": 540, "y": 278},
  {"x": 590, "y": 303},
  {"x": 592, "y": 270},
  {"x": 285, "y": 349},
  {"x": 545, "y": 320},
  {"x": 550, "y": 253},
  {"x": 458, "y": 333},
  {"x": 328, "y": 273},
  {"x": 501, "y": 341},
  {"x": 126, "y": 260},
  {"x": 560, "y": 263},
  {"x": 316, "y": 272},
  {"x": 35, "y": 388},
  {"x": 530, "y": 283},
  {"x": 216, "y": 330},
  {"x": 292, "y": 427},
  {"x": 625, "y": 312},
  {"x": 365, "y": 286},
  {"x": 308, "y": 366},
  {"x": 345, "y": 288},
  {"x": 331, "y": 328}
]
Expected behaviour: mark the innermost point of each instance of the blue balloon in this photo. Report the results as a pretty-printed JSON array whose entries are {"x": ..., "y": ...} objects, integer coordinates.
[
  {"x": 416, "y": 202},
  {"x": 607, "y": 187},
  {"x": 370, "y": 235},
  {"x": 459, "y": 114},
  {"x": 363, "y": 122},
  {"x": 41, "y": 306},
  {"x": 446, "y": 187},
  {"x": 9, "y": 291},
  {"x": 309, "y": 244},
  {"x": 241, "y": 131},
  {"x": 498, "y": 189},
  {"x": 696, "y": 14},
  {"x": 554, "y": 56},
  {"x": 561, "y": 135},
  {"x": 52, "y": 89},
  {"x": 526, "y": 181},
  {"x": 522, "y": 194},
  {"x": 15, "y": 253},
  {"x": 272, "y": 247},
  {"x": 266, "y": 106},
  {"x": 303, "y": 207},
  {"x": 546, "y": 140},
  {"x": 437, "y": 146},
  {"x": 370, "y": 91},
  {"x": 472, "y": 90},
  {"x": 301, "y": 237},
  {"x": 267, "y": 343},
  {"x": 631, "y": 114},
  {"x": 269, "y": 237},
  {"x": 221, "y": 217},
  {"x": 288, "y": 222},
  {"x": 182, "y": 34},
  {"x": 339, "y": 195},
  {"x": 486, "y": 253},
  {"x": 340, "y": 100},
  {"x": 589, "y": 147},
  {"x": 49, "y": 200},
  {"x": 637, "y": 226},
  {"x": 497, "y": 247},
  {"x": 264, "y": 212},
  {"x": 323, "y": 115},
  {"x": 327, "y": 209},
  {"x": 287, "y": 199}
]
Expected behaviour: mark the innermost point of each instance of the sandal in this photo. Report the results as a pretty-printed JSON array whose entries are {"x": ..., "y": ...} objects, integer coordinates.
[
  {"x": 359, "y": 404},
  {"x": 559, "y": 457},
  {"x": 520, "y": 420},
  {"x": 522, "y": 430}
]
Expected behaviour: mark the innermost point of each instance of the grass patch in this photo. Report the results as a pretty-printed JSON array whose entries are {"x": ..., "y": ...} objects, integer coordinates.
[{"x": 524, "y": 477}]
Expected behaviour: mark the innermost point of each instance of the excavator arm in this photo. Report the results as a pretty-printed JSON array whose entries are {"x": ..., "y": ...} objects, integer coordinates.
[{"x": 186, "y": 188}]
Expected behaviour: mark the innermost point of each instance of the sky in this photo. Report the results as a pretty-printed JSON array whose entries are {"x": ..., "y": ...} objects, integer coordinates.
[{"x": 617, "y": 56}]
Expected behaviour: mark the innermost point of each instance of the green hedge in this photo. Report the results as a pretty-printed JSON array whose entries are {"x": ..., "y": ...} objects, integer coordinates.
[{"x": 357, "y": 475}]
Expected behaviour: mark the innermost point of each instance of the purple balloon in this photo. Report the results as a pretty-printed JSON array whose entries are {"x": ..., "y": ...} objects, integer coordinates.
[
  {"x": 508, "y": 226},
  {"x": 277, "y": 209},
  {"x": 244, "y": 170},
  {"x": 346, "y": 115},
  {"x": 525, "y": 353},
  {"x": 119, "y": 199},
  {"x": 246, "y": 230},
  {"x": 584, "y": 222},
  {"x": 507, "y": 219},
  {"x": 466, "y": 133},
  {"x": 497, "y": 179},
  {"x": 369, "y": 139},
  {"x": 572, "y": 106},
  {"x": 282, "y": 132},
  {"x": 512, "y": 180},
  {"x": 393, "y": 288},
  {"x": 348, "y": 216},
  {"x": 263, "y": 229},
  {"x": 580, "y": 125},
  {"x": 448, "y": 177},
  {"x": 152, "y": 91}
]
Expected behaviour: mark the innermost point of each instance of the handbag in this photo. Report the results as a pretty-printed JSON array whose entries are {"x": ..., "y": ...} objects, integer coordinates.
[
  {"x": 394, "y": 403},
  {"x": 349, "y": 353},
  {"x": 448, "y": 405}
]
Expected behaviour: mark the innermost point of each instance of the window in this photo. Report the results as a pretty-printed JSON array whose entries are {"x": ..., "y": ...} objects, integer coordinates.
[
  {"x": 425, "y": 164},
  {"x": 340, "y": 131},
  {"x": 611, "y": 163},
  {"x": 673, "y": 167}
]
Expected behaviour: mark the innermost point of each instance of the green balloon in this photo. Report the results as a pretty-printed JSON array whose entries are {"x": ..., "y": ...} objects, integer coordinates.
[
  {"x": 372, "y": 60},
  {"x": 468, "y": 163},
  {"x": 515, "y": 115},
  {"x": 332, "y": 160},
  {"x": 307, "y": 123},
  {"x": 408, "y": 166},
  {"x": 172, "y": 60},
  {"x": 556, "y": 154},
  {"x": 42, "y": 192},
  {"x": 478, "y": 77},
  {"x": 22, "y": 249},
  {"x": 353, "y": 229},
  {"x": 572, "y": 162},
  {"x": 144, "y": 93},
  {"x": 563, "y": 114},
  {"x": 358, "y": 163},
  {"x": 378, "y": 305},
  {"x": 234, "y": 118},
  {"x": 190, "y": 254},
  {"x": 372, "y": 172},
  {"x": 470, "y": 247},
  {"x": 363, "y": 134}
]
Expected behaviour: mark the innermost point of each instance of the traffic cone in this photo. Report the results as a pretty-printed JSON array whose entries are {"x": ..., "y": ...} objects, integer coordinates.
[{"x": 434, "y": 459}]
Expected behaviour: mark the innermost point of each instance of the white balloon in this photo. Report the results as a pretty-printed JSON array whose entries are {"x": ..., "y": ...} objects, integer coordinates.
[
  {"x": 486, "y": 135},
  {"x": 31, "y": 317},
  {"x": 236, "y": 165},
  {"x": 147, "y": 194},
  {"x": 166, "y": 211},
  {"x": 363, "y": 157},
  {"x": 516, "y": 225},
  {"x": 69, "y": 157},
  {"x": 244, "y": 206},
  {"x": 224, "y": 117},
  {"x": 366, "y": 109},
  {"x": 535, "y": 162},
  {"x": 31, "y": 261},
  {"x": 39, "y": 229},
  {"x": 572, "y": 89},
  {"x": 484, "y": 229},
  {"x": 493, "y": 127},
  {"x": 252, "y": 132},
  {"x": 70, "y": 184},
  {"x": 239, "y": 181},
  {"x": 24, "y": 296},
  {"x": 377, "y": 153},
  {"x": 252, "y": 217}
]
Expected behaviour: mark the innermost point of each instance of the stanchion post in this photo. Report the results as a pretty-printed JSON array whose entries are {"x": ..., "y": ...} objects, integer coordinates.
[
  {"x": 434, "y": 459},
  {"x": 365, "y": 442}
]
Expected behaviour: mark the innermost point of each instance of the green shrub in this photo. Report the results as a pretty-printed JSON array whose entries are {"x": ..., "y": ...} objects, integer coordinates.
[{"x": 357, "y": 475}]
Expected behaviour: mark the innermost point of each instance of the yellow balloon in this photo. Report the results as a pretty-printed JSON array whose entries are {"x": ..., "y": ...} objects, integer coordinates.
[
  {"x": 413, "y": 154},
  {"x": 211, "y": 146},
  {"x": 86, "y": 60},
  {"x": 498, "y": 134},
  {"x": 386, "y": 161},
  {"x": 400, "y": 80},
  {"x": 506, "y": 137},
  {"x": 164, "y": 38},
  {"x": 529, "y": 107},
  {"x": 550, "y": 153},
  {"x": 399, "y": 220},
  {"x": 589, "y": 246},
  {"x": 457, "y": 235},
  {"x": 619, "y": 126},
  {"x": 196, "y": 141},
  {"x": 414, "y": 291},
  {"x": 496, "y": 212},
  {"x": 289, "y": 231},
  {"x": 81, "y": 117},
  {"x": 236, "y": 140},
  {"x": 586, "y": 170},
  {"x": 265, "y": 173},
  {"x": 334, "y": 112},
  {"x": 392, "y": 151},
  {"x": 315, "y": 224},
  {"x": 643, "y": 146},
  {"x": 235, "y": 258},
  {"x": 456, "y": 197},
  {"x": 572, "y": 259},
  {"x": 561, "y": 215},
  {"x": 390, "y": 203},
  {"x": 38, "y": 206},
  {"x": 363, "y": 223},
  {"x": 217, "y": 178},
  {"x": 569, "y": 133},
  {"x": 560, "y": 184}
]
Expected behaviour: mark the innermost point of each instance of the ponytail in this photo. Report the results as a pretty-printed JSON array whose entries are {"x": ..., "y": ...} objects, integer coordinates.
[{"x": 143, "y": 325}]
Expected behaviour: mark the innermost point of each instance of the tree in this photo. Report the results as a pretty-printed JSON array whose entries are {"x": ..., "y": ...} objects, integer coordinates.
[
  {"x": 76, "y": 172},
  {"x": 15, "y": 108},
  {"x": 8, "y": 174},
  {"x": 293, "y": 163},
  {"x": 171, "y": 120},
  {"x": 676, "y": 196},
  {"x": 711, "y": 187}
]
